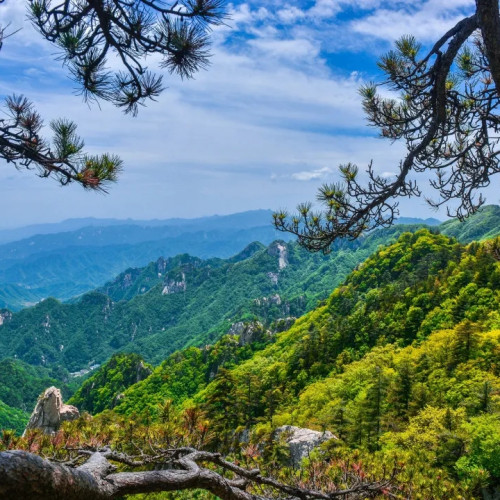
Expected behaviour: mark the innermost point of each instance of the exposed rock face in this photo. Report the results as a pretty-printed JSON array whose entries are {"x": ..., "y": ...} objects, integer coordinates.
[
  {"x": 247, "y": 332},
  {"x": 5, "y": 316},
  {"x": 273, "y": 300},
  {"x": 161, "y": 265},
  {"x": 173, "y": 286},
  {"x": 143, "y": 371},
  {"x": 50, "y": 412},
  {"x": 127, "y": 280},
  {"x": 274, "y": 277},
  {"x": 301, "y": 441},
  {"x": 279, "y": 249},
  {"x": 283, "y": 256}
]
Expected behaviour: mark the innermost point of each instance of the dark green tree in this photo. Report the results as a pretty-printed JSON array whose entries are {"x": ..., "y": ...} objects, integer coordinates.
[
  {"x": 375, "y": 400},
  {"x": 222, "y": 405},
  {"x": 447, "y": 114},
  {"x": 466, "y": 339},
  {"x": 399, "y": 394}
]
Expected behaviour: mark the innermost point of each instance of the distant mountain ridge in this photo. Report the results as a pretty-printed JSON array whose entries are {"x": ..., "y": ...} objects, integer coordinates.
[
  {"x": 431, "y": 221},
  {"x": 66, "y": 259},
  {"x": 65, "y": 265},
  {"x": 212, "y": 221}
]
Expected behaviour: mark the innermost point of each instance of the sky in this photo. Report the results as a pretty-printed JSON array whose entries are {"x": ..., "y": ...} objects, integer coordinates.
[{"x": 269, "y": 122}]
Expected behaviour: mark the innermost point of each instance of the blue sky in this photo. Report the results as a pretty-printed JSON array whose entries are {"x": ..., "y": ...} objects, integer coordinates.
[{"x": 270, "y": 121}]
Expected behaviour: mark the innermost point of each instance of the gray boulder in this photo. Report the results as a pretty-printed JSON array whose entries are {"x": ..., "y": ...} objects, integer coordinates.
[
  {"x": 50, "y": 412},
  {"x": 301, "y": 441}
]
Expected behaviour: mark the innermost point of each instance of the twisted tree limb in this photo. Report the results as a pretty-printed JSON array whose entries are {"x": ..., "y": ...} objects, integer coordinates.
[
  {"x": 24, "y": 475},
  {"x": 447, "y": 113}
]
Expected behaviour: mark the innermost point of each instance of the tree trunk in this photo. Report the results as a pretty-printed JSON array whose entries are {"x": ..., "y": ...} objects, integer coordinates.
[
  {"x": 24, "y": 476},
  {"x": 488, "y": 17}
]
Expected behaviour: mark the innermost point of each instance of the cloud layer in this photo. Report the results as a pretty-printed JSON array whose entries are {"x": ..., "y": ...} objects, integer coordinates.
[{"x": 269, "y": 121}]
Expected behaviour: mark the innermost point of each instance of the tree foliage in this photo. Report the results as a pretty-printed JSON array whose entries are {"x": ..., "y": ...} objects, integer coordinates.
[
  {"x": 22, "y": 144},
  {"x": 88, "y": 33}
]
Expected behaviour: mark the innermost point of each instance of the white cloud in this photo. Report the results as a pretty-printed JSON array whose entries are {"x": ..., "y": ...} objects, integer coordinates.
[
  {"x": 271, "y": 111},
  {"x": 289, "y": 15},
  {"x": 325, "y": 8},
  {"x": 309, "y": 175},
  {"x": 425, "y": 20},
  {"x": 288, "y": 49},
  {"x": 387, "y": 175}
]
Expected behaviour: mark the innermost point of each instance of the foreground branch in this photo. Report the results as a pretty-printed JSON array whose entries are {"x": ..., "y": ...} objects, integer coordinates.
[
  {"x": 449, "y": 125},
  {"x": 25, "y": 476},
  {"x": 22, "y": 143}
]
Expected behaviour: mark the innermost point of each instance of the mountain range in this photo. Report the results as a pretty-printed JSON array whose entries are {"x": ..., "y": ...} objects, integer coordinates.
[
  {"x": 69, "y": 263},
  {"x": 66, "y": 259},
  {"x": 398, "y": 368},
  {"x": 389, "y": 342}
]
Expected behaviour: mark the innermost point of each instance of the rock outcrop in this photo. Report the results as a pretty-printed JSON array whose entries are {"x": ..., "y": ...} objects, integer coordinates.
[
  {"x": 301, "y": 441},
  {"x": 279, "y": 249},
  {"x": 247, "y": 332},
  {"x": 5, "y": 316},
  {"x": 174, "y": 286},
  {"x": 50, "y": 412},
  {"x": 142, "y": 371}
]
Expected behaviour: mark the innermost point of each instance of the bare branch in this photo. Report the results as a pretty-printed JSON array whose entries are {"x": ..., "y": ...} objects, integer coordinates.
[{"x": 25, "y": 475}]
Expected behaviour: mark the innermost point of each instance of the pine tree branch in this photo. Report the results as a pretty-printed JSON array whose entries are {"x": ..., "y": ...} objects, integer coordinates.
[
  {"x": 22, "y": 144},
  {"x": 451, "y": 132}
]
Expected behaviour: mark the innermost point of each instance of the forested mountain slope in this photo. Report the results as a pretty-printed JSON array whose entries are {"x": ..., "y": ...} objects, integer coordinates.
[
  {"x": 85, "y": 253},
  {"x": 484, "y": 224},
  {"x": 72, "y": 270},
  {"x": 192, "y": 302},
  {"x": 422, "y": 283},
  {"x": 401, "y": 363}
]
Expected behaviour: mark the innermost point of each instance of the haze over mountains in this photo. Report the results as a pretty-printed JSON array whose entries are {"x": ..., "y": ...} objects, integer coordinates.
[
  {"x": 69, "y": 263},
  {"x": 64, "y": 260},
  {"x": 249, "y": 218}
]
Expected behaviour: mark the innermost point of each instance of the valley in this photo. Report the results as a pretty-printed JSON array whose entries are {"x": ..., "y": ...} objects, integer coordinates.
[{"x": 389, "y": 342}]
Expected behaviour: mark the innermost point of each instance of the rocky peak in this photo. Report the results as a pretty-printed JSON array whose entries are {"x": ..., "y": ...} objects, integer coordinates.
[
  {"x": 161, "y": 265},
  {"x": 50, "y": 412},
  {"x": 174, "y": 286},
  {"x": 273, "y": 300},
  {"x": 280, "y": 250}
]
